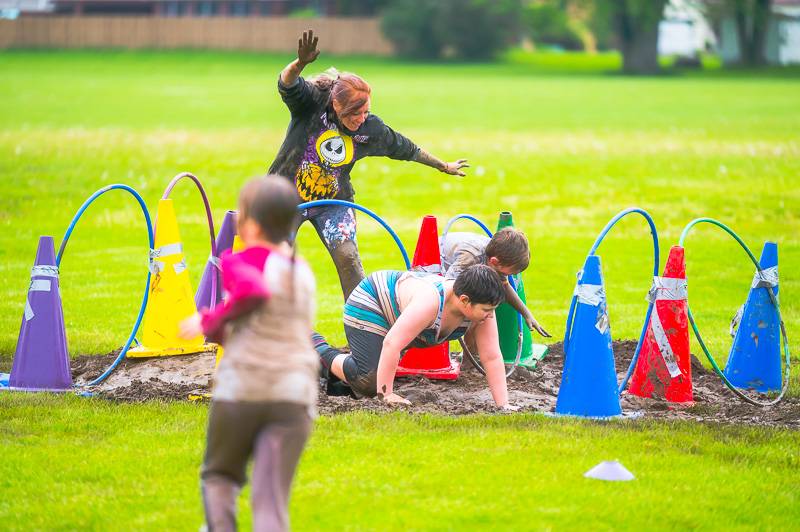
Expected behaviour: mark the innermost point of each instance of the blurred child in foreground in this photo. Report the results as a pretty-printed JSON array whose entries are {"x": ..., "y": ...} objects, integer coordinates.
[{"x": 265, "y": 388}]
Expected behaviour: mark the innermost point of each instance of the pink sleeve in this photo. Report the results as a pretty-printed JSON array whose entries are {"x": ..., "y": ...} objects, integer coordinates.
[{"x": 243, "y": 281}]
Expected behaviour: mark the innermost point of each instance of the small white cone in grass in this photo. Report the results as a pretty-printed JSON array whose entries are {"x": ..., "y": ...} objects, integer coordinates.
[{"x": 609, "y": 470}]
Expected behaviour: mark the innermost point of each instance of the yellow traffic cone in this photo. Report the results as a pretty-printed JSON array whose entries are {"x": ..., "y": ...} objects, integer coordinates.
[
  {"x": 171, "y": 295},
  {"x": 238, "y": 245}
]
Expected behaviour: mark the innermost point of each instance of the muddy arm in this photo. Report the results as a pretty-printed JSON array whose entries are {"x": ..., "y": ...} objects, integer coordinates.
[{"x": 492, "y": 360}]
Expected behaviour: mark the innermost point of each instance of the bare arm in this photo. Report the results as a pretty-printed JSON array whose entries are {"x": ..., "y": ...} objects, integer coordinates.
[
  {"x": 306, "y": 53},
  {"x": 419, "y": 313},
  {"x": 428, "y": 159},
  {"x": 492, "y": 360},
  {"x": 290, "y": 74},
  {"x": 516, "y": 303}
]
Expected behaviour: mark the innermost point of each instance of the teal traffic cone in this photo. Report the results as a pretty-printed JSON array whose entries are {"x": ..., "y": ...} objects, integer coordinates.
[{"x": 508, "y": 324}]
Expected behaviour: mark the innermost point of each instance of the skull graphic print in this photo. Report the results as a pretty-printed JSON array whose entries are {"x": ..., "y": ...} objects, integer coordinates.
[{"x": 325, "y": 154}]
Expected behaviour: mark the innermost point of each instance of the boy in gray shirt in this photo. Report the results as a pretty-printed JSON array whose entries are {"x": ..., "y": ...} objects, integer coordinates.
[{"x": 507, "y": 253}]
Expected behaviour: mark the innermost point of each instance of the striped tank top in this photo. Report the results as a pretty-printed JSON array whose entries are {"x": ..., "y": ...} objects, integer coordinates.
[{"x": 373, "y": 307}]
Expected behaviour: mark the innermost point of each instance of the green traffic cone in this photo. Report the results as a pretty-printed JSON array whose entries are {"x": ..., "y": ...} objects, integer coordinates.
[{"x": 507, "y": 325}]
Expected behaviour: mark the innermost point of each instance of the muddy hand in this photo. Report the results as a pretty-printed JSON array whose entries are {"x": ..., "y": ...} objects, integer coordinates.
[
  {"x": 455, "y": 168},
  {"x": 394, "y": 399},
  {"x": 307, "y": 48},
  {"x": 534, "y": 326}
]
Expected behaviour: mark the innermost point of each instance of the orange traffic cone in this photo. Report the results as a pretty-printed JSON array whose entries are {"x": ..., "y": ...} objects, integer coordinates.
[
  {"x": 432, "y": 362},
  {"x": 171, "y": 295},
  {"x": 664, "y": 369}
]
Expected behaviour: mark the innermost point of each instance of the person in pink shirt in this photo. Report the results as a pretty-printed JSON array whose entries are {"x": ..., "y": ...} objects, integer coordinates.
[{"x": 265, "y": 388}]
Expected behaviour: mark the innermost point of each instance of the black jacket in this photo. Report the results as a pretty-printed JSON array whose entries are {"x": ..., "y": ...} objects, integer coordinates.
[{"x": 318, "y": 152}]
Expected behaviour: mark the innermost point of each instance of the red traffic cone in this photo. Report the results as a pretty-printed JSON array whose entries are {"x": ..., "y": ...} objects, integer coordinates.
[
  {"x": 427, "y": 257},
  {"x": 432, "y": 362},
  {"x": 664, "y": 369}
]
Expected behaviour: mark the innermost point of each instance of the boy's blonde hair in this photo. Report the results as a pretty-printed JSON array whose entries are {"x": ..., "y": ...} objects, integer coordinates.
[{"x": 510, "y": 247}]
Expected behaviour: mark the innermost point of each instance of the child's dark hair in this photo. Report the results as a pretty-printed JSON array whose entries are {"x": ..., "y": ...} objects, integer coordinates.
[
  {"x": 481, "y": 284},
  {"x": 510, "y": 246},
  {"x": 271, "y": 202}
]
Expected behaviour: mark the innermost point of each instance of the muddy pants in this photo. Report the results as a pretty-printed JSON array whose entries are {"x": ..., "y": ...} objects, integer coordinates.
[
  {"x": 336, "y": 227},
  {"x": 361, "y": 365},
  {"x": 274, "y": 434}
]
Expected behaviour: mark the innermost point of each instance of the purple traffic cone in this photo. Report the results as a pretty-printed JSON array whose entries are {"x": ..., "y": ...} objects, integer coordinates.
[
  {"x": 204, "y": 296},
  {"x": 41, "y": 361}
]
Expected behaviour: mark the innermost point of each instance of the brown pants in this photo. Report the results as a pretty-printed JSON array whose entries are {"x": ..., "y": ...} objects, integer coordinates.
[{"x": 274, "y": 434}]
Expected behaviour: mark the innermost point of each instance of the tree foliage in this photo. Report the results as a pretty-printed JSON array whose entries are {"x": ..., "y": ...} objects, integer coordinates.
[
  {"x": 466, "y": 29},
  {"x": 635, "y": 27},
  {"x": 752, "y": 20},
  {"x": 409, "y": 25},
  {"x": 549, "y": 22}
]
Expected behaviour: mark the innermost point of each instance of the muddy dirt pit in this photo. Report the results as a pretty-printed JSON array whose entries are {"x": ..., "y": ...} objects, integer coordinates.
[{"x": 178, "y": 378}]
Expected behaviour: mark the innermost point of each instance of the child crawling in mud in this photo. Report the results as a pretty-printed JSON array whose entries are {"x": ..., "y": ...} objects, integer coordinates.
[
  {"x": 391, "y": 311},
  {"x": 265, "y": 388},
  {"x": 507, "y": 253}
]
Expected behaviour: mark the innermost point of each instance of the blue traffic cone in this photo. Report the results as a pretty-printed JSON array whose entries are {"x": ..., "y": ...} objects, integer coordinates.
[
  {"x": 41, "y": 361},
  {"x": 755, "y": 358},
  {"x": 589, "y": 382}
]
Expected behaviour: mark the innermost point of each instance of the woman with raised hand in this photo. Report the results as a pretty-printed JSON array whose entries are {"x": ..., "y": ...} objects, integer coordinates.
[{"x": 331, "y": 128}]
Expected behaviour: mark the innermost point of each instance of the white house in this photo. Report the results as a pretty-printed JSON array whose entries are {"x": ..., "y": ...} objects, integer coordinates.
[
  {"x": 684, "y": 31},
  {"x": 783, "y": 35},
  {"x": 13, "y": 8}
]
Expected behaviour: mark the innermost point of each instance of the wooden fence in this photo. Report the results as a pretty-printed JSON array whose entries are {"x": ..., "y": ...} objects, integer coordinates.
[{"x": 274, "y": 34}]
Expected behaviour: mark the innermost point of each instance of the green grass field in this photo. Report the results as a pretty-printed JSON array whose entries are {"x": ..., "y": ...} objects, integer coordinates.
[{"x": 554, "y": 138}]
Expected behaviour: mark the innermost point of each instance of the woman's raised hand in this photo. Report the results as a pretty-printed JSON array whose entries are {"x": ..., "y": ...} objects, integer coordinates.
[
  {"x": 454, "y": 168},
  {"x": 307, "y": 48}
]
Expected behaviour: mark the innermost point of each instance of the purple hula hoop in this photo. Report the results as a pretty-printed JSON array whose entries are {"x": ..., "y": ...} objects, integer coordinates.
[{"x": 210, "y": 218}]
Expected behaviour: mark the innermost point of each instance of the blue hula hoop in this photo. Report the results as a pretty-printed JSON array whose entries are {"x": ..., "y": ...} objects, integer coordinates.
[
  {"x": 322, "y": 203},
  {"x": 511, "y": 280},
  {"x": 151, "y": 242},
  {"x": 592, "y": 251}
]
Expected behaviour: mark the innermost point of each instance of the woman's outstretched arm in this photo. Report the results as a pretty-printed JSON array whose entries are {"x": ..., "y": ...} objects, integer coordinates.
[{"x": 453, "y": 168}]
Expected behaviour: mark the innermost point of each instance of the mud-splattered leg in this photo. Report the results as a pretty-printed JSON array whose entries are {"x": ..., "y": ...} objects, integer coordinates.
[{"x": 336, "y": 227}]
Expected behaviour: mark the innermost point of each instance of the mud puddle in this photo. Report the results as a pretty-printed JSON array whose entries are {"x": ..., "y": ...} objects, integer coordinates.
[{"x": 176, "y": 378}]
